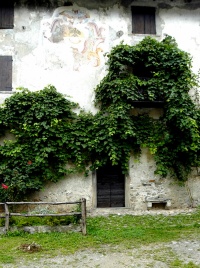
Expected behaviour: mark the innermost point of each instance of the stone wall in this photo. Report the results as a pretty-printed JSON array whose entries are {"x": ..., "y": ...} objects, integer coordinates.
[
  {"x": 145, "y": 184},
  {"x": 65, "y": 47},
  {"x": 140, "y": 184}
]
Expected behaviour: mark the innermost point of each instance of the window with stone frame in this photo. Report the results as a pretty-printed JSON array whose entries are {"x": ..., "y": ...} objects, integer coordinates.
[
  {"x": 143, "y": 20},
  {"x": 5, "y": 73},
  {"x": 6, "y": 14}
]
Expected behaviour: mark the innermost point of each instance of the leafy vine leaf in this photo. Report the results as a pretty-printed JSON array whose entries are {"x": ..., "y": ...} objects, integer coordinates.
[{"x": 51, "y": 140}]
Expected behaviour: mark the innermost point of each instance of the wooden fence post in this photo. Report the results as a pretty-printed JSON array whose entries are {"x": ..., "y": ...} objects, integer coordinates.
[
  {"x": 83, "y": 216},
  {"x": 7, "y": 215}
]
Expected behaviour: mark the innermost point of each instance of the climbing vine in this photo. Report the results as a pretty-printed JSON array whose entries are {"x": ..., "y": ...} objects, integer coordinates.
[
  {"x": 49, "y": 139},
  {"x": 156, "y": 71}
]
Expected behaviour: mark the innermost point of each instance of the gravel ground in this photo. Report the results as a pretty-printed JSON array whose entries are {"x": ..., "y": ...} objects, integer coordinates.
[
  {"x": 155, "y": 256},
  {"x": 160, "y": 255}
]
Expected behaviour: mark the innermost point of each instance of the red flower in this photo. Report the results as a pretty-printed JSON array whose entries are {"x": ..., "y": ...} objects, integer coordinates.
[
  {"x": 4, "y": 186},
  {"x": 29, "y": 162}
]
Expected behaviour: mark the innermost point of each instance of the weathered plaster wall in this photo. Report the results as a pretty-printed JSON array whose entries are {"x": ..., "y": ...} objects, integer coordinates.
[
  {"x": 72, "y": 188},
  {"x": 65, "y": 47}
]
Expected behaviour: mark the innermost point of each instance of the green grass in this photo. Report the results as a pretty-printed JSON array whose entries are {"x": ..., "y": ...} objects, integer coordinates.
[
  {"x": 127, "y": 231},
  {"x": 179, "y": 264},
  {"x": 49, "y": 220}
]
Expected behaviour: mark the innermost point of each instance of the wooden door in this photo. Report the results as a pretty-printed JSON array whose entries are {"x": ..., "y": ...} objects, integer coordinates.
[{"x": 110, "y": 187}]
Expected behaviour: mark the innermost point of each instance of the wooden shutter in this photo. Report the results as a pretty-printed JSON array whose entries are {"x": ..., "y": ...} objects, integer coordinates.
[
  {"x": 143, "y": 20},
  {"x": 6, "y": 14},
  {"x": 5, "y": 73}
]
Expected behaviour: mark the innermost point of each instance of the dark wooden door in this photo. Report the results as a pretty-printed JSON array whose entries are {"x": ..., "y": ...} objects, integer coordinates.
[{"x": 110, "y": 187}]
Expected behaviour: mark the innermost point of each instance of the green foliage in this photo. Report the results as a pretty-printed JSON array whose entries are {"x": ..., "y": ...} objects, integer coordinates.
[
  {"x": 35, "y": 221},
  {"x": 42, "y": 124},
  {"x": 127, "y": 232},
  {"x": 174, "y": 138},
  {"x": 50, "y": 140}
]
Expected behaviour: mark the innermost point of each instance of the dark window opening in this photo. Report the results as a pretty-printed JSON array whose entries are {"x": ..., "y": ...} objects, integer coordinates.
[
  {"x": 142, "y": 72},
  {"x": 138, "y": 69},
  {"x": 158, "y": 205},
  {"x": 6, "y": 14},
  {"x": 143, "y": 20},
  {"x": 144, "y": 97},
  {"x": 5, "y": 73}
]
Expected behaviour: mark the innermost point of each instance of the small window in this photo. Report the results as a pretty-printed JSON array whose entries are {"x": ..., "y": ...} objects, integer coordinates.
[
  {"x": 143, "y": 20},
  {"x": 6, "y": 14},
  {"x": 5, "y": 73}
]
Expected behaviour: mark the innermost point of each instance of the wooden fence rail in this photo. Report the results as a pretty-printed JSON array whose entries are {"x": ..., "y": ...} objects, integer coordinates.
[{"x": 82, "y": 213}]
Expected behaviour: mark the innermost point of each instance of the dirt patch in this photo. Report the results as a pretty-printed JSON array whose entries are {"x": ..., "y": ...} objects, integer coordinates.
[
  {"x": 160, "y": 255},
  {"x": 155, "y": 256}
]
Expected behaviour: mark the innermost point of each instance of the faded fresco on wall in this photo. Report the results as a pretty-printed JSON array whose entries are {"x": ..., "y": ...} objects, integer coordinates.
[{"x": 82, "y": 35}]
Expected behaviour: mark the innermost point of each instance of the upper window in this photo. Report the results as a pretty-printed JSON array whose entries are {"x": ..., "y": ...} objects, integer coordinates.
[
  {"x": 5, "y": 73},
  {"x": 6, "y": 14},
  {"x": 143, "y": 20}
]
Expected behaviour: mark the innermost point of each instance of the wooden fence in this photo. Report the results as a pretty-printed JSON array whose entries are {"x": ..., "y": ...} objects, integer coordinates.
[{"x": 82, "y": 213}]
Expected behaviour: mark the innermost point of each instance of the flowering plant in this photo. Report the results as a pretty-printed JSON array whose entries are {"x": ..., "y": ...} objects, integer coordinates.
[{"x": 4, "y": 186}]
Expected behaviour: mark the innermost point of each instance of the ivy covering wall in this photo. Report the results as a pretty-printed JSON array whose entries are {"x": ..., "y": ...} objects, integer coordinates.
[{"x": 50, "y": 140}]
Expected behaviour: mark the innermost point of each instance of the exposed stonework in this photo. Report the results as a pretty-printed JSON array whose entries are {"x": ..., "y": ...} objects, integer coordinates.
[{"x": 65, "y": 46}]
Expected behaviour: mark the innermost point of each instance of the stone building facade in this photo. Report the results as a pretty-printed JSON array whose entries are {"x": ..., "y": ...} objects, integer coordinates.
[{"x": 65, "y": 46}]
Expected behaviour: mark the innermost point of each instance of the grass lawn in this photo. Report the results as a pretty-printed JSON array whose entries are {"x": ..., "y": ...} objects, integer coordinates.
[{"x": 126, "y": 231}]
